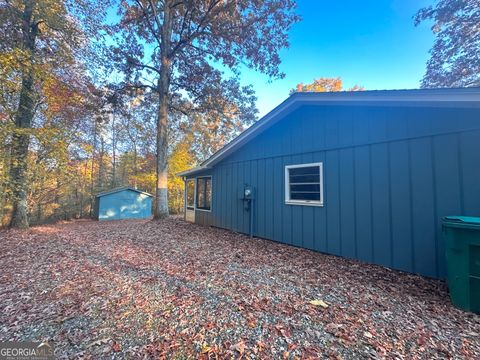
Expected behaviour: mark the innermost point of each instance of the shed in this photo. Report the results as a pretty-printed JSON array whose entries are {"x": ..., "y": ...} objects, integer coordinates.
[
  {"x": 123, "y": 203},
  {"x": 365, "y": 175}
]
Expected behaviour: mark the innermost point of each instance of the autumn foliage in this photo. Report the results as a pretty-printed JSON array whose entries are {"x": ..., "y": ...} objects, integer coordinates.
[
  {"x": 455, "y": 55},
  {"x": 324, "y": 84}
]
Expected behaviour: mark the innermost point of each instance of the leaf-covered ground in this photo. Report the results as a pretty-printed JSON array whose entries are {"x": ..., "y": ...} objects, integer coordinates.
[{"x": 169, "y": 289}]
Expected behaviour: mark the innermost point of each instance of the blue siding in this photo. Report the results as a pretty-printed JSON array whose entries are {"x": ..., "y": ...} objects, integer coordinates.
[
  {"x": 390, "y": 174},
  {"x": 470, "y": 154},
  {"x": 363, "y": 204},
  {"x": 287, "y": 210},
  {"x": 400, "y": 205},
  {"x": 448, "y": 190},
  {"x": 423, "y": 207},
  {"x": 380, "y": 204},
  {"x": 125, "y": 204},
  {"x": 348, "y": 243},
  {"x": 332, "y": 198}
]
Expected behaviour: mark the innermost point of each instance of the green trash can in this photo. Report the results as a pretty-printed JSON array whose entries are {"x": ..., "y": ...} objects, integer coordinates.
[{"x": 462, "y": 247}]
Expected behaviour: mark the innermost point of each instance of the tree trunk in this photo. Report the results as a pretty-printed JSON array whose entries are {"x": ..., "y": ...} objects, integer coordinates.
[
  {"x": 114, "y": 152},
  {"x": 161, "y": 191},
  {"x": 84, "y": 188},
  {"x": 101, "y": 165},
  {"x": 92, "y": 182},
  {"x": 23, "y": 122},
  {"x": 135, "y": 171}
]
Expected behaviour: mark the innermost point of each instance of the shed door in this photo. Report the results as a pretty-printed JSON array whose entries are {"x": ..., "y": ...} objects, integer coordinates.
[{"x": 190, "y": 200}]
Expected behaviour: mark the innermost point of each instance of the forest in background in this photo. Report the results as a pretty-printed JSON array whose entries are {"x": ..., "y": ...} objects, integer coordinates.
[
  {"x": 100, "y": 94},
  {"x": 92, "y": 125},
  {"x": 87, "y": 139}
]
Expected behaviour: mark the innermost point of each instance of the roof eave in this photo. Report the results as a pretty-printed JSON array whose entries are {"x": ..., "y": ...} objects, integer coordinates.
[
  {"x": 122, "y": 188},
  {"x": 415, "y": 96},
  {"x": 192, "y": 171}
]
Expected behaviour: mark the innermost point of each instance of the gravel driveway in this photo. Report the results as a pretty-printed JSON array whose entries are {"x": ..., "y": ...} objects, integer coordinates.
[{"x": 170, "y": 289}]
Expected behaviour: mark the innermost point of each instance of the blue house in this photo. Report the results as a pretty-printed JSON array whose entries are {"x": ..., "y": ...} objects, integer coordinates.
[
  {"x": 365, "y": 175},
  {"x": 123, "y": 203}
]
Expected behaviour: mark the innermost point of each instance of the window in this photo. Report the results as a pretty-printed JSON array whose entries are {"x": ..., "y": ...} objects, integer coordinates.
[
  {"x": 190, "y": 194},
  {"x": 204, "y": 193},
  {"x": 304, "y": 184}
]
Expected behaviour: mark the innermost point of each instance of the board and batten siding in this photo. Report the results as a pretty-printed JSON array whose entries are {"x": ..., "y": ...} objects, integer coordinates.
[{"x": 390, "y": 174}]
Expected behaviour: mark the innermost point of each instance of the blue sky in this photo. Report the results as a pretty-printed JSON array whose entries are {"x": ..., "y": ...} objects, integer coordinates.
[{"x": 373, "y": 43}]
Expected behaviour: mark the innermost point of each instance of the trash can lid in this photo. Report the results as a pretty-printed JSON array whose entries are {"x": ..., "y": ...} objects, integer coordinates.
[{"x": 462, "y": 221}]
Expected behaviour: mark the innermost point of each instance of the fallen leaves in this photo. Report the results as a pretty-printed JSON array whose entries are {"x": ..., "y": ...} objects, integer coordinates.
[
  {"x": 239, "y": 347},
  {"x": 318, "y": 302},
  {"x": 99, "y": 342},
  {"x": 205, "y": 348},
  {"x": 116, "y": 347},
  {"x": 367, "y": 335},
  {"x": 169, "y": 289}
]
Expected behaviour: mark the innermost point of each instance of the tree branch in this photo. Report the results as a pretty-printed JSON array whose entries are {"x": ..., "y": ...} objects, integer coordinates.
[{"x": 152, "y": 29}]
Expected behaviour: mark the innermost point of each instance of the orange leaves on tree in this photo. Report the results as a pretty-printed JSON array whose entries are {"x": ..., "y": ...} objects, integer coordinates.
[
  {"x": 59, "y": 96},
  {"x": 325, "y": 84}
]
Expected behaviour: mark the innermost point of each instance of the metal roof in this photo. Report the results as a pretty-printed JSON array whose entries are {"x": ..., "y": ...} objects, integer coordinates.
[
  {"x": 190, "y": 171},
  {"x": 408, "y": 97},
  {"x": 121, "y": 188}
]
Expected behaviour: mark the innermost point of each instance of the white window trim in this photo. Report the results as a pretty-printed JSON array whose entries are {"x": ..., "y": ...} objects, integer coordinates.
[
  {"x": 194, "y": 194},
  {"x": 288, "y": 201},
  {"x": 211, "y": 200}
]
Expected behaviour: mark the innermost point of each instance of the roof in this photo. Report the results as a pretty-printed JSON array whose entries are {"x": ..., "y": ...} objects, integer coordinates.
[
  {"x": 464, "y": 96},
  {"x": 121, "y": 188},
  {"x": 191, "y": 171}
]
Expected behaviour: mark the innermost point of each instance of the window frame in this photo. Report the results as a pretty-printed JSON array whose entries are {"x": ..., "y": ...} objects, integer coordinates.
[
  {"x": 194, "y": 180},
  {"x": 211, "y": 193},
  {"x": 288, "y": 200}
]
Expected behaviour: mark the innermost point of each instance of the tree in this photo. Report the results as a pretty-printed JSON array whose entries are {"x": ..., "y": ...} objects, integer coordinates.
[
  {"x": 455, "y": 55},
  {"x": 180, "y": 50},
  {"x": 41, "y": 38},
  {"x": 324, "y": 85},
  {"x": 180, "y": 159}
]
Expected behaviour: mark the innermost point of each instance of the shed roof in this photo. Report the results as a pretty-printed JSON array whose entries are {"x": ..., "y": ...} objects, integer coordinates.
[
  {"x": 412, "y": 97},
  {"x": 121, "y": 188}
]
